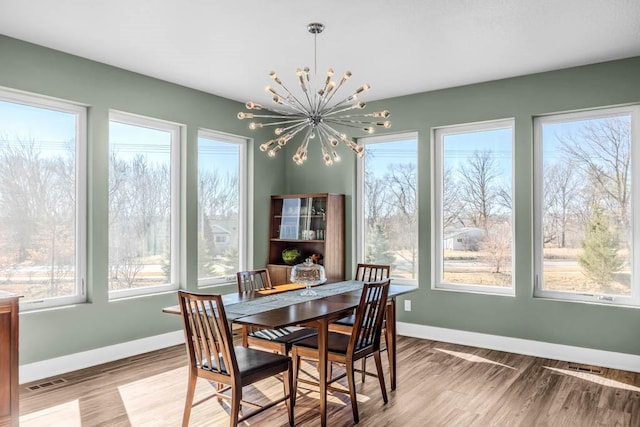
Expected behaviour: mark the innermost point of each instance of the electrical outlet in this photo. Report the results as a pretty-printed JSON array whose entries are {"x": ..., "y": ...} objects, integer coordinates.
[{"x": 407, "y": 305}]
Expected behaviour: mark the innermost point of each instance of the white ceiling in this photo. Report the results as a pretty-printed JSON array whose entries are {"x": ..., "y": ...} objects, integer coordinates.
[{"x": 228, "y": 47}]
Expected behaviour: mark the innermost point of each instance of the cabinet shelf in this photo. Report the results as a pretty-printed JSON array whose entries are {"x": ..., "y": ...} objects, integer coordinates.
[{"x": 312, "y": 223}]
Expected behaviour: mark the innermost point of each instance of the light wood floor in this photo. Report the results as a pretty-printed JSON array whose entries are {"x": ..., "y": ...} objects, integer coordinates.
[{"x": 438, "y": 385}]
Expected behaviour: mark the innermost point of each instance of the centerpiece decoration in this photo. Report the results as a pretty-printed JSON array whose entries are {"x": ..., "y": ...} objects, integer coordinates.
[{"x": 308, "y": 273}]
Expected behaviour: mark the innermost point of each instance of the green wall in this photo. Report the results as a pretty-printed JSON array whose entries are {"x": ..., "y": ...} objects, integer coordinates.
[
  {"x": 57, "y": 332},
  {"x": 577, "y": 324}
]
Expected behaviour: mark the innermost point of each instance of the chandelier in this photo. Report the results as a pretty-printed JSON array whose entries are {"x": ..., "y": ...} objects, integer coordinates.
[{"x": 316, "y": 112}]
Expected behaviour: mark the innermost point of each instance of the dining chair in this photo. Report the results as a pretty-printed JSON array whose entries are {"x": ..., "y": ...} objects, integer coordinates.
[
  {"x": 253, "y": 280},
  {"x": 213, "y": 356},
  {"x": 365, "y": 273},
  {"x": 347, "y": 349},
  {"x": 277, "y": 340}
]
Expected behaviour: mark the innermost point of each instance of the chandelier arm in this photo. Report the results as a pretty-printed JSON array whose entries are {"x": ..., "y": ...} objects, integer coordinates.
[
  {"x": 281, "y": 122},
  {"x": 354, "y": 146},
  {"x": 284, "y": 112},
  {"x": 360, "y": 115},
  {"x": 301, "y": 125},
  {"x": 347, "y": 124},
  {"x": 318, "y": 101},
  {"x": 306, "y": 87},
  {"x": 301, "y": 152},
  {"x": 268, "y": 116},
  {"x": 350, "y": 98},
  {"x": 298, "y": 107},
  {"x": 351, "y": 107},
  {"x": 339, "y": 136},
  {"x": 300, "y": 104},
  {"x": 293, "y": 133},
  {"x": 334, "y": 91},
  {"x": 328, "y": 137},
  {"x": 325, "y": 151},
  {"x": 340, "y": 120}
]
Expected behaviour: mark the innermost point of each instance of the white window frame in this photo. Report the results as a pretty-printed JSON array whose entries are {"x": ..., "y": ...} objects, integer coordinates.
[
  {"x": 359, "y": 229},
  {"x": 437, "y": 226},
  {"x": 80, "y": 111},
  {"x": 176, "y": 130},
  {"x": 538, "y": 122},
  {"x": 244, "y": 212}
]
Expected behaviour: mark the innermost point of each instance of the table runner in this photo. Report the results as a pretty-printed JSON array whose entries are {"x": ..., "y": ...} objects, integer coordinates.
[{"x": 271, "y": 302}]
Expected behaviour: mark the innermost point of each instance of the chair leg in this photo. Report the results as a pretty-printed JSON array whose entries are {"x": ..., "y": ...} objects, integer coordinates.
[
  {"x": 296, "y": 371},
  {"x": 191, "y": 389},
  {"x": 376, "y": 356},
  {"x": 236, "y": 399},
  {"x": 352, "y": 391},
  {"x": 219, "y": 387},
  {"x": 364, "y": 368},
  {"x": 288, "y": 391},
  {"x": 245, "y": 336}
]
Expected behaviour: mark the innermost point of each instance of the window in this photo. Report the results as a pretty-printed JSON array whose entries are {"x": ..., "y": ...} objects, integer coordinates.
[
  {"x": 473, "y": 208},
  {"x": 222, "y": 242},
  {"x": 388, "y": 204},
  {"x": 143, "y": 214},
  {"x": 42, "y": 202},
  {"x": 587, "y": 194}
]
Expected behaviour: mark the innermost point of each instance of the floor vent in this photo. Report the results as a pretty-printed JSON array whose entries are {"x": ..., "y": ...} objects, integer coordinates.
[
  {"x": 46, "y": 384},
  {"x": 585, "y": 368}
]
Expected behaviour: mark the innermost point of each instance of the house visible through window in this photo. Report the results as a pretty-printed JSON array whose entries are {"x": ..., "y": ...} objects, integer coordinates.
[
  {"x": 388, "y": 204},
  {"x": 473, "y": 207},
  {"x": 587, "y": 206},
  {"x": 221, "y": 208},
  {"x": 143, "y": 214},
  {"x": 42, "y": 203}
]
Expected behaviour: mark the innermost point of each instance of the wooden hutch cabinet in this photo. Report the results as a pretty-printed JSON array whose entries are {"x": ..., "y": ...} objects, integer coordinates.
[
  {"x": 9, "y": 415},
  {"x": 312, "y": 223}
]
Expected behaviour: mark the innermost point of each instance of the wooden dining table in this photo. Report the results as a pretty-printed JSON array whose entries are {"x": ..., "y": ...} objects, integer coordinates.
[{"x": 278, "y": 308}]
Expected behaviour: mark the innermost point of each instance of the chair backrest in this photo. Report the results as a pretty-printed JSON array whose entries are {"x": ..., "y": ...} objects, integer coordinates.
[
  {"x": 253, "y": 280},
  {"x": 372, "y": 272},
  {"x": 207, "y": 334},
  {"x": 367, "y": 327}
]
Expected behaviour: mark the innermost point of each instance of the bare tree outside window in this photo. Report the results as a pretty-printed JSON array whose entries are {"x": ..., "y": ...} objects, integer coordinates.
[
  {"x": 390, "y": 210},
  {"x": 474, "y": 206},
  {"x": 220, "y": 207},
  {"x": 140, "y": 200},
  {"x": 38, "y": 206},
  {"x": 586, "y": 229}
]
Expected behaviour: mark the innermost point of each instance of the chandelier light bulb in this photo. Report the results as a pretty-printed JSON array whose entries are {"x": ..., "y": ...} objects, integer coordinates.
[
  {"x": 275, "y": 78},
  {"x": 253, "y": 106},
  {"x": 312, "y": 112},
  {"x": 265, "y": 146}
]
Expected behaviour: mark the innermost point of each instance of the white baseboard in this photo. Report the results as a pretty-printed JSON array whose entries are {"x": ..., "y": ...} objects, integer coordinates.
[
  {"x": 608, "y": 359},
  {"x": 589, "y": 356},
  {"x": 71, "y": 362}
]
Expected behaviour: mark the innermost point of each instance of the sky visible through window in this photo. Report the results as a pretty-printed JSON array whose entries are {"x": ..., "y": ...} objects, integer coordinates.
[
  {"x": 24, "y": 122},
  {"x": 379, "y": 156},
  {"x": 458, "y": 148}
]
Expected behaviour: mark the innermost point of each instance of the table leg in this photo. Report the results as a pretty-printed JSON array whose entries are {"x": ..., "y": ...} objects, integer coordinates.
[
  {"x": 391, "y": 340},
  {"x": 323, "y": 335}
]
